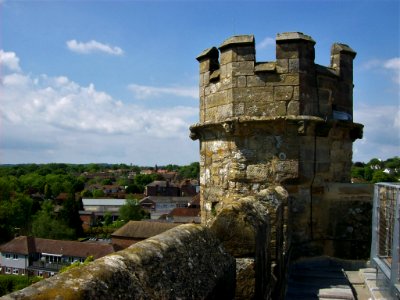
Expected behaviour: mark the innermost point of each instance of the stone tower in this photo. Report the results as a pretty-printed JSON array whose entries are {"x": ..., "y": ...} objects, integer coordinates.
[{"x": 284, "y": 123}]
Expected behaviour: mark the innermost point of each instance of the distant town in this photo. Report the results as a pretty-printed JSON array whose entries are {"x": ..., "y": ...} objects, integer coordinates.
[{"x": 55, "y": 216}]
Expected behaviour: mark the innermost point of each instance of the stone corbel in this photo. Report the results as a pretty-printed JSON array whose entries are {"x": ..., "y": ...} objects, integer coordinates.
[
  {"x": 229, "y": 127},
  {"x": 194, "y": 134},
  {"x": 302, "y": 127}
]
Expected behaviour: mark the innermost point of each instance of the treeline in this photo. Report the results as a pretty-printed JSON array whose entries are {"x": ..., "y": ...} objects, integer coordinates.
[
  {"x": 11, "y": 283},
  {"x": 377, "y": 170}
]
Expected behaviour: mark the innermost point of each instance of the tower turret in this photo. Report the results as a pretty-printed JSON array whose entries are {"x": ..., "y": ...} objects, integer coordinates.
[{"x": 262, "y": 124}]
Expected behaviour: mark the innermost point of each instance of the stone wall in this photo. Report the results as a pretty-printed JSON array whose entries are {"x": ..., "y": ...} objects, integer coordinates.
[
  {"x": 186, "y": 262},
  {"x": 341, "y": 220}
]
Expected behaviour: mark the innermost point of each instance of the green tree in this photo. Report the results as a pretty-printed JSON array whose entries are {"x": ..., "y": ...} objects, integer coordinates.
[
  {"x": 97, "y": 193},
  {"x": 375, "y": 164},
  {"x": 368, "y": 173},
  {"x": 46, "y": 225},
  {"x": 107, "y": 218},
  {"x": 107, "y": 181},
  {"x": 86, "y": 194},
  {"x": 190, "y": 171},
  {"x": 380, "y": 176},
  {"x": 123, "y": 181},
  {"x": 134, "y": 189},
  {"x": 6, "y": 189},
  {"x": 392, "y": 163},
  {"x": 69, "y": 213},
  {"x": 15, "y": 215},
  {"x": 132, "y": 211},
  {"x": 32, "y": 183},
  {"x": 357, "y": 172}
]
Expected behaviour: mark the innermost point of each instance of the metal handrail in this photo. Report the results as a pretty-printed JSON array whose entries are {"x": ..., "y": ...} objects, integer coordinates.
[{"x": 385, "y": 244}]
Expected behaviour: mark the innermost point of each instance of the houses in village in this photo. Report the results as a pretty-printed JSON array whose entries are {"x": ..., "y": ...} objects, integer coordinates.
[
  {"x": 169, "y": 204},
  {"x": 26, "y": 255},
  {"x": 160, "y": 199},
  {"x": 44, "y": 257}
]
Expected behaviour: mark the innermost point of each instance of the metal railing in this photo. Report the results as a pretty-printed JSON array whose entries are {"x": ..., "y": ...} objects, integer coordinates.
[
  {"x": 48, "y": 265},
  {"x": 385, "y": 245}
]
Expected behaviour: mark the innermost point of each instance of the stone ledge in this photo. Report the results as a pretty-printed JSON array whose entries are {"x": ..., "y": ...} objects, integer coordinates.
[{"x": 175, "y": 264}]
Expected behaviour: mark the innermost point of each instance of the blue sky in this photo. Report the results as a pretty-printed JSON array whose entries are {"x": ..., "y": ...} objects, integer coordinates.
[{"x": 117, "y": 81}]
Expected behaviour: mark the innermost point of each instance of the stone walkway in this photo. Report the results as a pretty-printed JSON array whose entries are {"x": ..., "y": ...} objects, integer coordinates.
[
  {"x": 326, "y": 278},
  {"x": 374, "y": 284}
]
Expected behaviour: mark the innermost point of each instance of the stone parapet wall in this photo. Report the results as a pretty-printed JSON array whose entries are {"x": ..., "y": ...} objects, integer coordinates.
[
  {"x": 334, "y": 218},
  {"x": 186, "y": 262}
]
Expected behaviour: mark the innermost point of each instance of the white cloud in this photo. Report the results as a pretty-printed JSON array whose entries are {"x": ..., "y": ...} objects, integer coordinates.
[
  {"x": 381, "y": 132},
  {"x": 144, "y": 91},
  {"x": 266, "y": 42},
  {"x": 394, "y": 65},
  {"x": 47, "y": 119},
  {"x": 10, "y": 61},
  {"x": 93, "y": 46}
]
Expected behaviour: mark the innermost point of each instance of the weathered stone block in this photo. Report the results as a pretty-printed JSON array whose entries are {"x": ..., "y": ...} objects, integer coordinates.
[
  {"x": 285, "y": 169},
  {"x": 245, "y": 278},
  {"x": 259, "y": 172},
  {"x": 282, "y": 66},
  {"x": 241, "y": 81},
  {"x": 224, "y": 111},
  {"x": 283, "y": 93},
  {"x": 243, "y": 68},
  {"x": 238, "y": 224},
  {"x": 294, "y": 65},
  {"x": 290, "y": 79},
  {"x": 255, "y": 81},
  {"x": 265, "y": 67},
  {"x": 239, "y": 108},
  {"x": 216, "y": 99},
  {"x": 228, "y": 57},
  {"x": 293, "y": 108}
]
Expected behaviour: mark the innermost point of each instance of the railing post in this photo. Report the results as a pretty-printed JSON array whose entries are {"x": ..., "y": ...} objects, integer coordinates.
[
  {"x": 375, "y": 225},
  {"x": 394, "y": 276}
]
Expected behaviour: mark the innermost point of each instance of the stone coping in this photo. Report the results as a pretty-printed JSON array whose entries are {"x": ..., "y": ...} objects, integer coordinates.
[{"x": 285, "y": 36}]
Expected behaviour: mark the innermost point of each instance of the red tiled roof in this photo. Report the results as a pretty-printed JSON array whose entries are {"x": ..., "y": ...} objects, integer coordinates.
[
  {"x": 25, "y": 245},
  {"x": 62, "y": 196},
  {"x": 185, "y": 212}
]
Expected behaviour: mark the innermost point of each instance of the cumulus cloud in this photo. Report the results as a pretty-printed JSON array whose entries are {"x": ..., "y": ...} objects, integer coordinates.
[
  {"x": 381, "y": 132},
  {"x": 48, "y": 119},
  {"x": 9, "y": 60},
  {"x": 144, "y": 91},
  {"x": 93, "y": 46},
  {"x": 62, "y": 103}
]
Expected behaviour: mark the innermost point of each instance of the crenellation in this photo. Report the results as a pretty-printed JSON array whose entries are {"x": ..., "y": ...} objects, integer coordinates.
[{"x": 208, "y": 60}]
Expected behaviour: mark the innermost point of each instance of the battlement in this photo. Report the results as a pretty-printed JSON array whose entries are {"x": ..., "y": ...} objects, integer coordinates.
[{"x": 234, "y": 84}]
